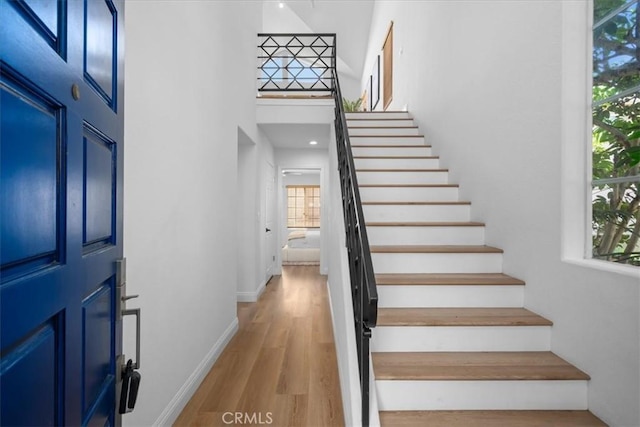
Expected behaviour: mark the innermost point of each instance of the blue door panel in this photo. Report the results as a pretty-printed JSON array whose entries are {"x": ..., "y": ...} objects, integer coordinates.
[
  {"x": 47, "y": 13},
  {"x": 42, "y": 292},
  {"x": 32, "y": 365},
  {"x": 47, "y": 18},
  {"x": 61, "y": 210},
  {"x": 29, "y": 208},
  {"x": 99, "y": 188},
  {"x": 101, "y": 414},
  {"x": 97, "y": 322},
  {"x": 100, "y": 47}
]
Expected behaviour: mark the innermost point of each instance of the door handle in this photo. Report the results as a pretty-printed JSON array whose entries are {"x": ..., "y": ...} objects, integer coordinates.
[
  {"x": 135, "y": 312},
  {"x": 268, "y": 230}
]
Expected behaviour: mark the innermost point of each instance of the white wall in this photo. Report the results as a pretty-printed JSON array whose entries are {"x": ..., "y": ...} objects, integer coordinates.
[
  {"x": 340, "y": 295},
  {"x": 307, "y": 178},
  {"x": 484, "y": 80},
  {"x": 291, "y": 158},
  {"x": 187, "y": 91},
  {"x": 247, "y": 219}
]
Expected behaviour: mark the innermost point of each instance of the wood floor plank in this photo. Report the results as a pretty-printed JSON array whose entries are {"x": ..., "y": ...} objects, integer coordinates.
[
  {"x": 460, "y": 317},
  {"x": 453, "y": 279},
  {"x": 326, "y": 411},
  {"x": 294, "y": 371},
  {"x": 466, "y": 366},
  {"x": 489, "y": 419},
  {"x": 274, "y": 364}
]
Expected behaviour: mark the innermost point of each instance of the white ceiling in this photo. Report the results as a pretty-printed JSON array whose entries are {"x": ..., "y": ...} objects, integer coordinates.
[
  {"x": 349, "y": 19},
  {"x": 297, "y": 135}
]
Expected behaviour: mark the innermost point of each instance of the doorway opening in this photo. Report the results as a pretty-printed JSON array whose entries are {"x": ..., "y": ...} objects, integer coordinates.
[{"x": 302, "y": 203}]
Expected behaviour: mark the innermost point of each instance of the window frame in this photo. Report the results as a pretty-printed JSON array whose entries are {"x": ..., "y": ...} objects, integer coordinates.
[
  {"x": 602, "y": 183},
  {"x": 313, "y": 218},
  {"x": 576, "y": 134}
]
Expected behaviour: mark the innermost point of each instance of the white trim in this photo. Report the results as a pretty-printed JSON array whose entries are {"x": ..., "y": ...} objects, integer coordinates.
[
  {"x": 576, "y": 125},
  {"x": 253, "y": 296},
  {"x": 186, "y": 392},
  {"x": 608, "y": 266}
]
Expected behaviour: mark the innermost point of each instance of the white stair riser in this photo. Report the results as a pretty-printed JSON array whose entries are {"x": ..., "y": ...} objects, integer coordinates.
[
  {"x": 461, "y": 338},
  {"x": 389, "y": 263},
  {"x": 378, "y": 177},
  {"x": 397, "y": 163},
  {"x": 449, "y": 296},
  {"x": 386, "y": 140},
  {"x": 487, "y": 395},
  {"x": 384, "y": 131},
  {"x": 417, "y": 150},
  {"x": 414, "y": 213},
  {"x": 379, "y": 123},
  {"x": 407, "y": 194},
  {"x": 385, "y": 115},
  {"x": 447, "y": 235}
]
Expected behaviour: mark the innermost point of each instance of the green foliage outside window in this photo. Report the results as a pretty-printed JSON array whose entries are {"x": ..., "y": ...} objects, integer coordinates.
[{"x": 616, "y": 131}]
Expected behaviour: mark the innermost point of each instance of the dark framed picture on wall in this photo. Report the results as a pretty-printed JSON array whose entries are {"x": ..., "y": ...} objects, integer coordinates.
[{"x": 375, "y": 83}]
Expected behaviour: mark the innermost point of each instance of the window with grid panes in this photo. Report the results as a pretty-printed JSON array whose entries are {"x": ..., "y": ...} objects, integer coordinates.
[
  {"x": 616, "y": 131},
  {"x": 303, "y": 206}
]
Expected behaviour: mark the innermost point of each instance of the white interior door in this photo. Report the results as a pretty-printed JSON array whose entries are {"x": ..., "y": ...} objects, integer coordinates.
[{"x": 270, "y": 221}]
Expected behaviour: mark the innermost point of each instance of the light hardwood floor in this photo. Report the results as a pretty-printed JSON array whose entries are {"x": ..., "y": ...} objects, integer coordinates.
[{"x": 280, "y": 369}]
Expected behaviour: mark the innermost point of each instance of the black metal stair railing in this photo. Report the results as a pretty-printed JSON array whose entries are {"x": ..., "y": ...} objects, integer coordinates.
[
  {"x": 307, "y": 62},
  {"x": 363, "y": 282},
  {"x": 296, "y": 62}
]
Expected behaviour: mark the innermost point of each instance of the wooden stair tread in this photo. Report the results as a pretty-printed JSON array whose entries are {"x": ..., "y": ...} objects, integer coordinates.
[
  {"x": 424, "y": 224},
  {"x": 377, "y": 112},
  {"x": 383, "y": 127},
  {"x": 452, "y": 279},
  {"x": 402, "y": 170},
  {"x": 388, "y": 146},
  {"x": 378, "y": 118},
  {"x": 469, "y": 366},
  {"x": 408, "y": 185},
  {"x": 463, "y": 316},
  {"x": 395, "y": 157},
  {"x": 429, "y": 249},
  {"x": 494, "y": 418},
  {"x": 385, "y": 136},
  {"x": 417, "y": 203}
]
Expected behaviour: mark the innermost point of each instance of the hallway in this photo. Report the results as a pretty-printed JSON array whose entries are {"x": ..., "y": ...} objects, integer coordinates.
[{"x": 280, "y": 369}]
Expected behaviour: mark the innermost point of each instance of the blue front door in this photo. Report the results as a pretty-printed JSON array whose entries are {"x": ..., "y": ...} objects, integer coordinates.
[{"x": 61, "y": 164}]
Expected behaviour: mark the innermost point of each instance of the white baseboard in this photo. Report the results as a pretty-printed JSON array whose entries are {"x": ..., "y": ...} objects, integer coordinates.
[
  {"x": 180, "y": 400},
  {"x": 252, "y": 296}
]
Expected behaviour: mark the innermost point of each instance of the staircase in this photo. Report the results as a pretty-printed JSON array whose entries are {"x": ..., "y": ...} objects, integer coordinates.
[{"x": 454, "y": 345}]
